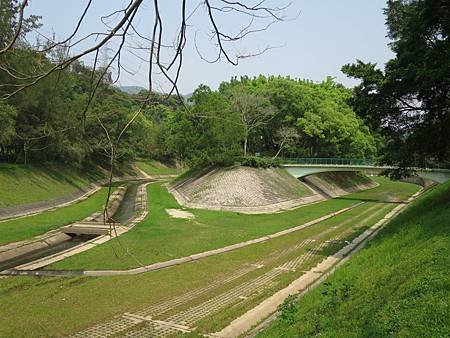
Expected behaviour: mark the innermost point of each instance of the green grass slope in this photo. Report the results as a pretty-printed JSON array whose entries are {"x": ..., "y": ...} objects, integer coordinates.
[
  {"x": 398, "y": 286},
  {"x": 157, "y": 168},
  {"x": 21, "y": 184}
]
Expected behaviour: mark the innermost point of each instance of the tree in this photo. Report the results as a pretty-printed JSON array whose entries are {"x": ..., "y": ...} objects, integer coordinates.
[
  {"x": 13, "y": 25},
  {"x": 163, "y": 54},
  {"x": 286, "y": 136},
  {"x": 319, "y": 112},
  {"x": 207, "y": 135},
  {"x": 7, "y": 130},
  {"x": 254, "y": 111},
  {"x": 409, "y": 101}
]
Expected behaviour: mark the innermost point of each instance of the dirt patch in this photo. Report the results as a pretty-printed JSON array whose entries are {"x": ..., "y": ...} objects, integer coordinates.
[{"x": 178, "y": 213}]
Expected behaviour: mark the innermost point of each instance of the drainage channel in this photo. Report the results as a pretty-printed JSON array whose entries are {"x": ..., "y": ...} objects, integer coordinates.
[
  {"x": 126, "y": 209},
  {"x": 124, "y": 214},
  {"x": 41, "y": 253}
]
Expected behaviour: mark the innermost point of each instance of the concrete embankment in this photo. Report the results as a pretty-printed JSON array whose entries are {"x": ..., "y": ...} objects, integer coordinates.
[
  {"x": 339, "y": 183},
  {"x": 260, "y": 190},
  {"x": 243, "y": 189},
  {"x": 29, "y": 209},
  {"x": 68, "y": 236}
]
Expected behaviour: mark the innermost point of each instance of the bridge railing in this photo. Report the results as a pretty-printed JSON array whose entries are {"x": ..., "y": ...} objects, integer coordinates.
[{"x": 329, "y": 161}]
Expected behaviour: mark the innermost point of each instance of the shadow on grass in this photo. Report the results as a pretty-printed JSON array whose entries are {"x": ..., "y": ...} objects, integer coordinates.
[{"x": 362, "y": 199}]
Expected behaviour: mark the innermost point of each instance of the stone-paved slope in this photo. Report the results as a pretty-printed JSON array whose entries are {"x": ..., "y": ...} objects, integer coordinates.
[
  {"x": 334, "y": 184},
  {"x": 244, "y": 189}
]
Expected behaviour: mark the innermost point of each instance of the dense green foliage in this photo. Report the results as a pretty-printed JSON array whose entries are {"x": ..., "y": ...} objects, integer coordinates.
[
  {"x": 319, "y": 112},
  {"x": 264, "y": 115},
  {"x": 409, "y": 101},
  {"x": 258, "y": 162},
  {"x": 396, "y": 287},
  {"x": 57, "y": 119}
]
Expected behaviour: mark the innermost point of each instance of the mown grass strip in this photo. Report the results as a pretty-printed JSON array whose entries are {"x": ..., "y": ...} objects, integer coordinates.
[
  {"x": 346, "y": 227},
  {"x": 397, "y": 286},
  {"x": 157, "y": 168}
]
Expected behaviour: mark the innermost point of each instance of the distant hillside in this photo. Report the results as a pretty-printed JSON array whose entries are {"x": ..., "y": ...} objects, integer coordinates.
[
  {"x": 136, "y": 89},
  {"x": 131, "y": 89},
  {"x": 187, "y": 96}
]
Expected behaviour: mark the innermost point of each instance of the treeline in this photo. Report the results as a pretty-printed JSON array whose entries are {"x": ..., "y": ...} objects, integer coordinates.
[
  {"x": 48, "y": 122},
  {"x": 75, "y": 114},
  {"x": 266, "y": 116},
  {"x": 269, "y": 116},
  {"x": 51, "y": 121},
  {"x": 57, "y": 118}
]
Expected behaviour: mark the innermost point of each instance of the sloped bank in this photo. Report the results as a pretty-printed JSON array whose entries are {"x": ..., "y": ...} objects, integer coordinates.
[
  {"x": 262, "y": 190},
  {"x": 397, "y": 286},
  {"x": 338, "y": 183}
]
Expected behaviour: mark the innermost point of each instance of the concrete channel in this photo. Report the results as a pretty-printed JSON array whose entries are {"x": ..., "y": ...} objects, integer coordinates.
[{"x": 123, "y": 206}]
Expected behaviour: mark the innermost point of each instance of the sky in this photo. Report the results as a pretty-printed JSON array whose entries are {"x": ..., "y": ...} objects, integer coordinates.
[{"x": 320, "y": 37}]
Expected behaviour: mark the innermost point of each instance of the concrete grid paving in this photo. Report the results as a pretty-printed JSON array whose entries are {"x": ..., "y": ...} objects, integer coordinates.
[
  {"x": 152, "y": 321},
  {"x": 244, "y": 189}
]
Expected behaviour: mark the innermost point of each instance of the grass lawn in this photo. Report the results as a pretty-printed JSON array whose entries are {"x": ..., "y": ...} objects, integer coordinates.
[
  {"x": 160, "y": 237},
  {"x": 28, "y": 304},
  {"x": 33, "y": 183},
  {"x": 28, "y": 227},
  {"x": 157, "y": 168},
  {"x": 398, "y": 286}
]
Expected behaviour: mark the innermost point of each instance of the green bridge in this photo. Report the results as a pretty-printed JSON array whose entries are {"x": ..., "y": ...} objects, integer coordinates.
[{"x": 300, "y": 167}]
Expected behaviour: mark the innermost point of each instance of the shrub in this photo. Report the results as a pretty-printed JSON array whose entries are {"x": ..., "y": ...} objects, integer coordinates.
[{"x": 259, "y": 162}]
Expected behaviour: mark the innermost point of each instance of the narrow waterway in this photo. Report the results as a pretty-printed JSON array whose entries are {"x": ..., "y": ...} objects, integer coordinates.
[
  {"x": 125, "y": 212},
  {"x": 73, "y": 241},
  {"x": 123, "y": 215}
]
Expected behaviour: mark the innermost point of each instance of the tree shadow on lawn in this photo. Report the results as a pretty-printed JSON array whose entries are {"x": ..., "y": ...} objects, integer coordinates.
[{"x": 374, "y": 200}]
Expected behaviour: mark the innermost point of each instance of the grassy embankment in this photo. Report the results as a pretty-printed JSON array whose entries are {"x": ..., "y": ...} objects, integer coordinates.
[
  {"x": 21, "y": 184},
  {"x": 398, "y": 286},
  {"x": 160, "y": 237},
  {"x": 155, "y": 168},
  {"x": 24, "y": 311},
  {"x": 28, "y": 227}
]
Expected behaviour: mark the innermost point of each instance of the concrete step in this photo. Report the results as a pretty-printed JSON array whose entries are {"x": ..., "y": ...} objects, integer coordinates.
[{"x": 86, "y": 229}]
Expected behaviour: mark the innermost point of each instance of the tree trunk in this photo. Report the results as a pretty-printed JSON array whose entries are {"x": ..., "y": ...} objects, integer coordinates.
[
  {"x": 279, "y": 151},
  {"x": 25, "y": 153},
  {"x": 245, "y": 146}
]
